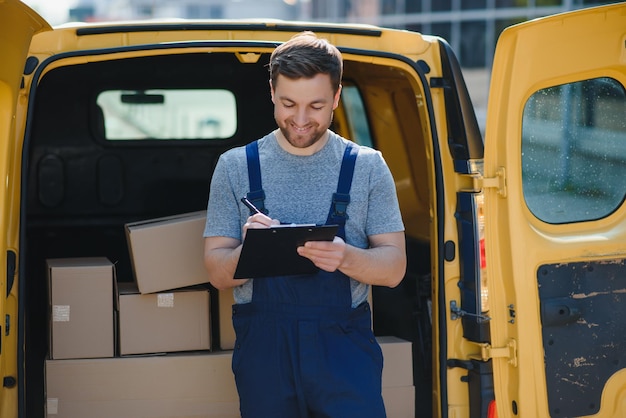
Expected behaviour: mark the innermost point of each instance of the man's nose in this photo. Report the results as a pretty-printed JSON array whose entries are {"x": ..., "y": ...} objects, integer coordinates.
[{"x": 301, "y": 117}]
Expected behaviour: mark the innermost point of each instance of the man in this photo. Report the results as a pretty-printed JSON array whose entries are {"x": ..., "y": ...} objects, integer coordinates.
[{"x": 304, "y": 345}]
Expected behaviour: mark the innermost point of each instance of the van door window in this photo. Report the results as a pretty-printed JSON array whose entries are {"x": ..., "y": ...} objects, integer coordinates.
[
  {"x": 574, "y": 151},
  {"x": 357, "y": 118},
  {"x": 168, "y": 114}
]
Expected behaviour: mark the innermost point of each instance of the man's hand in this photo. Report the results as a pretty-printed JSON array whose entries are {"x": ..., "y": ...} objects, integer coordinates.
[
  {"x": 325, "y": 255},
  {"x": 258, "y": 221},
  {"x": 221, "y": 254},
  {"x": 383, "y": 263}
]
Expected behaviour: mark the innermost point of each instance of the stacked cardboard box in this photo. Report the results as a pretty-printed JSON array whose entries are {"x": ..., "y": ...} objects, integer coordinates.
[
  {"x": 174, "y": 385},
  {"x": 81, "y": 302},
  {"x": 227, "y": 332},
  {"x": 164, "y": 315},
  {"x": 168, "y": 254},
  {"x": 163, "y": 322},
  {"x": 398, "y": 387},
  {"x": 91, "y": 316}
]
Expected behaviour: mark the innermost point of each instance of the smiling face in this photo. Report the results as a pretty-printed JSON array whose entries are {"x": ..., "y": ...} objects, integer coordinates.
[{"x": 303, "y": 109}]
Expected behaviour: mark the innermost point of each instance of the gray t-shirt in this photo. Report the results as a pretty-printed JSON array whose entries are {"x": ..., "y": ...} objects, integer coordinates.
[{"x": 299, "y": 189}]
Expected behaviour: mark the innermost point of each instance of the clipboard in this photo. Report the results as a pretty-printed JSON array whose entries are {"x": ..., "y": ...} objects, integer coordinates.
[{"x": 272, "y": 251}]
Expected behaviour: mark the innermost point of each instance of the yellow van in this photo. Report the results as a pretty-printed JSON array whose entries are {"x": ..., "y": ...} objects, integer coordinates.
[{"x": 513, "y": 303}]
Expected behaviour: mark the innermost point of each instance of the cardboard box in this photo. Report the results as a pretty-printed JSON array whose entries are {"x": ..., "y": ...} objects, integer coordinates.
[
  {"x": 175, "y": 385},
  {"x": 399, "y": 401},
  {"x": 398, "y": 389},
  {"x": 163, "y": 322},
  {"x": 398, "y": 361},
  {"x": 81, "y": 297},
  {"x": 168, "y": 253},
  {"x": 227, "y": 331}
]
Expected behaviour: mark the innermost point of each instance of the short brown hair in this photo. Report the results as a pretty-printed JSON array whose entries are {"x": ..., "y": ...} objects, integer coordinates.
[{"x": 304, "y": 56}]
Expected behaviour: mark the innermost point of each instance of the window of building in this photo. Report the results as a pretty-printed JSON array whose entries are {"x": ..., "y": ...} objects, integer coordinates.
[
  {"x": 413, "y": 6},
  {"x": 548, "y": 2},
  {"x": 473, "y": 4},
  {"x": 390, "y": 7},
  {"x": 443, "y": 29},
  {"x": 168, "y": 114},
  {"x": 574, "y": 151},
  {"x": 473, "y": 43},
  {"x": 145, "y": 11},
  {"x": 321, "y": 9},
  {"x": 441, "y": 6},
  {"x": 204, "y": 11},
  {"x": 507, "y": 4}
]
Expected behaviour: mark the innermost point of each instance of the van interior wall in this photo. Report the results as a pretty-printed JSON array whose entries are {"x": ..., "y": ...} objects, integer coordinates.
[{"x": 82, "y": 189}]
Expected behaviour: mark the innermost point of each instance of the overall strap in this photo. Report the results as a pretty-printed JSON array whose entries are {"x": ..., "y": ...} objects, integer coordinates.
[
  {"x": 256, "y": 195},
  {"x": 341, "y": 198}
]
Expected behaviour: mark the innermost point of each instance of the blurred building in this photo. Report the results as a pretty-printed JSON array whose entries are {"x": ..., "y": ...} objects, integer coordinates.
[
  {"x": 86, "y": 10},
  {"x": 470, "y": 26}
]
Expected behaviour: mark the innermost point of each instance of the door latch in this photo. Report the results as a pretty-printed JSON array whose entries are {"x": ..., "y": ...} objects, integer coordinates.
[{"x": 456, "y": 312}]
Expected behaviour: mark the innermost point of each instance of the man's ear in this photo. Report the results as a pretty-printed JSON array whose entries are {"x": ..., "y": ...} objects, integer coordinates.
[
  {"x": 337, "y": 97},
  {"x": 272, "y": 91}
]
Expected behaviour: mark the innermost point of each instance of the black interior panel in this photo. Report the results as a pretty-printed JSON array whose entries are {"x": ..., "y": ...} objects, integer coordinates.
[{"x": 582, "y": 302}]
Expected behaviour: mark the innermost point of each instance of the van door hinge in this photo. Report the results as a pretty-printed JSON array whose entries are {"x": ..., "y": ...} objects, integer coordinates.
[
  {"x": 498, "y": 182},
  {"x": 488, "y": 352}
]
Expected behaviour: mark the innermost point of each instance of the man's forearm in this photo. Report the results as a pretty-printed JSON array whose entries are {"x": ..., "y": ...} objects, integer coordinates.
[
  {"x": 383, "y": 266},
  {"x": 220, "y": 264}
]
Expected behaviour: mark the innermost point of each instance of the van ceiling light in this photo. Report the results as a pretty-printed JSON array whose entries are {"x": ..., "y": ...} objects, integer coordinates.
[{"x": 248, "y": 57}]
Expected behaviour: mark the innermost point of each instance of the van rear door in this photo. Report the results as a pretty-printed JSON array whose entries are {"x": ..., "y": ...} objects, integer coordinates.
[
  {"x": 18, "y": 24},
  {"x": 555, "y": 213}
]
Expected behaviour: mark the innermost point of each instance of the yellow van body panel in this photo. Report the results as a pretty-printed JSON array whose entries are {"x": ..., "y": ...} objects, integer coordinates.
[{"x": 18, "y": 24}]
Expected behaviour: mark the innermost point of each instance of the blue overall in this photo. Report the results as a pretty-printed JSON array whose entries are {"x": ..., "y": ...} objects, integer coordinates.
[{"x": 301, "y": 350}]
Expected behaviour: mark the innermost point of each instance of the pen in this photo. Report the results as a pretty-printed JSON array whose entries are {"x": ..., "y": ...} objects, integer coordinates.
[{"x": 250, "y": 205}]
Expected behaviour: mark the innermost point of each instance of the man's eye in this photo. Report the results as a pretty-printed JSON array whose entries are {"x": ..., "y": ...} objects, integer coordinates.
[
  {"x": 288, "y": 105},
  {"x": 317, "y": 107}
]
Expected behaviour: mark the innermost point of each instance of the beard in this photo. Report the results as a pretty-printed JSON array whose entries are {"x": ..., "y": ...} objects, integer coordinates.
[
  {"x": 301, "y": 141},
  {"x": 314, "y": 133}
]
